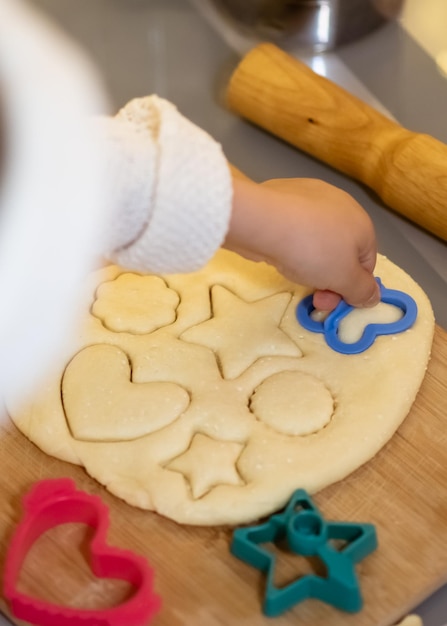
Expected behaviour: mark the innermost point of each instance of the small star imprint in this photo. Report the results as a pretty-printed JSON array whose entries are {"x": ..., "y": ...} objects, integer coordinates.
[{"x": 208, "y": 463}]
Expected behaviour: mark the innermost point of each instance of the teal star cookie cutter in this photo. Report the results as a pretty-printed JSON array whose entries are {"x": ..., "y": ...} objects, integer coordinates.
[
  {"x": 308, "y": 534},
  {"x": 329, "y": 327}
]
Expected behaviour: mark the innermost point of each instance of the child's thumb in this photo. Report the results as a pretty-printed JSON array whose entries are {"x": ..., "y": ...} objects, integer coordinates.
[{"x": 363, "y": 291}]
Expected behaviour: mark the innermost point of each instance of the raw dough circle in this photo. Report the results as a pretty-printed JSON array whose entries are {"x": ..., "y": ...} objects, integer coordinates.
[
  {"x": 223, "y": 453},
  {"x": 137, "y": 292},
  {"x": 293, "y": 403}
]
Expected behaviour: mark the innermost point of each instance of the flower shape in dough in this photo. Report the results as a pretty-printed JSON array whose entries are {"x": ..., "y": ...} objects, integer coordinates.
[{"x": 149, "y": 304}]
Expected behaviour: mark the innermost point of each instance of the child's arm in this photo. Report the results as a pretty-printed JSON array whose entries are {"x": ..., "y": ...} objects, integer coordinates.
[
  {"x": 174, "y": 202},
  {"x": 313, "y": 232}
]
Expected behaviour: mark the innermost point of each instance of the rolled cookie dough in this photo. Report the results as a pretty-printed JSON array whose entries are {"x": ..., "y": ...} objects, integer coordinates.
[
  {"x": 200, "y": 397},
  {"x": 411, "y": 620}
]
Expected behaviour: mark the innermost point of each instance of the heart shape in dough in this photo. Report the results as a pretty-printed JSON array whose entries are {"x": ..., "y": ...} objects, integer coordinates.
[
  {"x": 101, "y": 403},
  {"x": 53, "y": 502}
]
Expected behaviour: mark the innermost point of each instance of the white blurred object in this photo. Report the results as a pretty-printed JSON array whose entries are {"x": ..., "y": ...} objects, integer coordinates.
[{"x": 51, "y": 191}]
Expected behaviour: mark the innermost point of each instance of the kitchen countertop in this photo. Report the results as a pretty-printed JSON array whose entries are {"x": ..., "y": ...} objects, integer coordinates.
[{"x": 164, "y": 46}]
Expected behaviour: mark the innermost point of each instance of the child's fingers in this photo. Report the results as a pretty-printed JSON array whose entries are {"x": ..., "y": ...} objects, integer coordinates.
[
  {"x": 362, "y": 291},
  {"x": 325, "y": 300}
]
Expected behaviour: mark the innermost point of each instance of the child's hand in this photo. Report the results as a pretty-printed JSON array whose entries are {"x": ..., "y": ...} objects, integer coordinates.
[{"x": 315, "y": 234}]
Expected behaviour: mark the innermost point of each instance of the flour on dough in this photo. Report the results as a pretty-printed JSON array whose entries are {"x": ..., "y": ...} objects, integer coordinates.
[{"x": 200, "y": 396}]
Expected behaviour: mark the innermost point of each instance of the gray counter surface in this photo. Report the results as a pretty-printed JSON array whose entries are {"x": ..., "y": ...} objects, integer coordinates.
[{"x": 164, "y": 46}]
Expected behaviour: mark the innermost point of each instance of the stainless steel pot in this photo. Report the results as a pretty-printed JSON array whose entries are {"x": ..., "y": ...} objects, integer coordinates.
[{"x": 315, "y": 25}]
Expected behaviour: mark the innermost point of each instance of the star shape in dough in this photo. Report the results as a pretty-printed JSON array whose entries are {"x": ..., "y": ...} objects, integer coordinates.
[
  {"x": 307, "y": 533},
  {"x": 207, "y": 463},
  {"x": 241, "y": 332}
]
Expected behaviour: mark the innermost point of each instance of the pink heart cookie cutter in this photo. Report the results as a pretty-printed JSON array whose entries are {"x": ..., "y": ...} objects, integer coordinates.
[{"x": 57, "y": 501}]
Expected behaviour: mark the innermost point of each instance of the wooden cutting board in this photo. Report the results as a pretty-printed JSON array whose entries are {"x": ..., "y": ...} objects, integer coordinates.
[{"x": 403, "y": 491}]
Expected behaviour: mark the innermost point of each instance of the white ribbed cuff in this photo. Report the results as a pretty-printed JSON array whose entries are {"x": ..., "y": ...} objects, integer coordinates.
[
  {"x": 130, "y": 160},
  {"x": 192, "y": 194}
]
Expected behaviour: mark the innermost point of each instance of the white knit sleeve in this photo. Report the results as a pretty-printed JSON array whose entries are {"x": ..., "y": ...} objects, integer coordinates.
[{"x": 171, "y": 186}]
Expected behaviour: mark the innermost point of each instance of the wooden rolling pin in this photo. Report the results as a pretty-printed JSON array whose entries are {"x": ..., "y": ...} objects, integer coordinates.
[{"x": 407, "y": 170}]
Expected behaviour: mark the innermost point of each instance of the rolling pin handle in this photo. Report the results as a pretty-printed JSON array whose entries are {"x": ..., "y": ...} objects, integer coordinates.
[{"x": 407, "y": 170}]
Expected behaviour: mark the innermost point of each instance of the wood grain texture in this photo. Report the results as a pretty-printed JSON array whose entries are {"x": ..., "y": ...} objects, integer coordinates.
[
  {"x": 407, "y": 170},
  {"x": 403, "y": 491}
]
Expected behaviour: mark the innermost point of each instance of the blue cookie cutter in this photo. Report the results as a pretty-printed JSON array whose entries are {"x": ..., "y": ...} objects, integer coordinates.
[
  {"x": 329, "y": 327},
  {"x": 308, "y": 534}
]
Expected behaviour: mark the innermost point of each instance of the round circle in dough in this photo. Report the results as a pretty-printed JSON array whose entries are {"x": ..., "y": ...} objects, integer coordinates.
[{"x": 293, "y": 403}]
